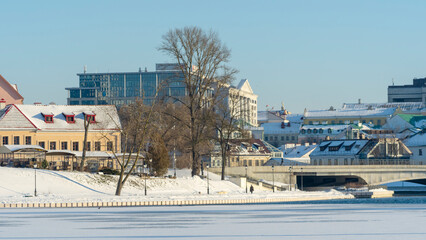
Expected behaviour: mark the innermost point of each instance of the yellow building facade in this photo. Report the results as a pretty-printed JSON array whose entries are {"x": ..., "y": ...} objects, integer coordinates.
[{"x": 60, "y": 131}]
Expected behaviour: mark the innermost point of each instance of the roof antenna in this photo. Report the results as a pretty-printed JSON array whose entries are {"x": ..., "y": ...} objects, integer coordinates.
[
  {"x": 85, "y": 68},
  {"x": 393, "y": 83}
]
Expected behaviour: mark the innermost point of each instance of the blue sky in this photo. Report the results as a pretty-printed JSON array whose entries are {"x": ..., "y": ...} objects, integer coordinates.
[{"x": 308, "y": 54}]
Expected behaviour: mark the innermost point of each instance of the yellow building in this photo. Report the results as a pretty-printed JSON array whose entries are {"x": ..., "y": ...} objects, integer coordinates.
[{"x": 60, "y": 130}]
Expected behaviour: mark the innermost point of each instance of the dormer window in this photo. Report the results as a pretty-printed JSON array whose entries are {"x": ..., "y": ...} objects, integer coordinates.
[
  {"x": 48, "y": 117},
  {"x": 90, "y": 117},
  {"x": 69, "y": 117}
]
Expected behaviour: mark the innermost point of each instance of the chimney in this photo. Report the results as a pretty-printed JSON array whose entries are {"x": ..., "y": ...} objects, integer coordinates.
[
  {"x": 2, "y": 103},
  {"x": 282, "y": 125},
  {"x": 359, "y": 100}
]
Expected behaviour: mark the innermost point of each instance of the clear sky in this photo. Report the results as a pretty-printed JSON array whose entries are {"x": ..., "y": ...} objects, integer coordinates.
[{"x": 307, "y": 54}]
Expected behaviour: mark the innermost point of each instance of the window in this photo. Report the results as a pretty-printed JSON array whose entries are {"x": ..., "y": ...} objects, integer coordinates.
[
  {"x": 90, "y": 118},
  {"x": 321, "y": 131},
  {"x": 346, "y": 161},
  {"x": 42, "y": 144},
  {"x": 329, "y": 161},
  {"x": 88, "y": 146},
  {"x": 266, "y": 138},
  {"x": 5, "y": 140},
  {"x": 28, "y": 140},
  {"x": 420, "y": 152},
  {"x": 75, "y": 146},
  {"x": 52, "y": 146},
  {"x": 16, "y": 140},
  {"x": 282, "y": 138},
  {"x": 336, "y": 162},
  {"x": 287, "y": 138},
  {"x": 303, "y": 131},
  {"x": 379, "y": 122},
  {"x": 48, "y": 117},
  {"x": 293, "y": 138},
  {"x": 70, "y": 118},
  {"x": 97, "y": 146},
  {"x": 310, "y": 122},
  {"x": 64, "y": 145},
  {"x": 329, "y": 130},
  {"x": 109, "y": 146}
]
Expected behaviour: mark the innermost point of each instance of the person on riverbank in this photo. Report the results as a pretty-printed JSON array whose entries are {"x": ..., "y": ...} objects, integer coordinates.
[{"x": 251, "y": 189}]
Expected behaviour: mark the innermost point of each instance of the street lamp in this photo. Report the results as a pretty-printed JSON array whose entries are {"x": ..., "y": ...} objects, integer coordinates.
[
  {"x": 144, "y": 170},
  {"x": 174, "y": 152},
  {"x": 301, "y": 179},
  {"x": 246, "y": 179},
  {"x": 273, "y": 179},
  {"x": 208, "y": 187},
  {"x": 35, "y": 180},
  {"x": 289, "y": 175}
]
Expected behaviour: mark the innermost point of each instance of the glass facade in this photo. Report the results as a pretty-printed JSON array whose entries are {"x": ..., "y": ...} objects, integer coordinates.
[{"x": 124, "y": 88}]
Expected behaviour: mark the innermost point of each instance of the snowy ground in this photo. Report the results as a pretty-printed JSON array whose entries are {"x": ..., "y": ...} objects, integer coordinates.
[{"x": 17, "y": 186}]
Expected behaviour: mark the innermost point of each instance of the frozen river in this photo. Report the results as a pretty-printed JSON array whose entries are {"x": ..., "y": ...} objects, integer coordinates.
[{"x": 396, "y": 218}]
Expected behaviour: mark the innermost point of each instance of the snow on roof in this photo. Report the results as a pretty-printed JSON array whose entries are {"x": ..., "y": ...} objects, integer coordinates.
[
  {"x": 275, "y": 128},
  {"x": 378, "y": 112},
  {"x": 342, "y": 151},
  {"x": 348, "y": 143},
  {"x": 335, "y": 143},
  {"x": 335, "y": 127},
  {"x": 299, "y": 151},
  {"x": 24, "y": 148},
  {"x": 106, "y": 116},
  {"x": 405, "y": 106},
  {"x": 416, "y": 140}
]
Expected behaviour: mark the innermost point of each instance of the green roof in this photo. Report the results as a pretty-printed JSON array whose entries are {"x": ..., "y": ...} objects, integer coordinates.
[{"x": 411, "y": 118}]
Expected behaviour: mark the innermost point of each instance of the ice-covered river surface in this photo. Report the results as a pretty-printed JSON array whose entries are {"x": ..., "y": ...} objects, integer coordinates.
[{"x": 394, "y": 218}]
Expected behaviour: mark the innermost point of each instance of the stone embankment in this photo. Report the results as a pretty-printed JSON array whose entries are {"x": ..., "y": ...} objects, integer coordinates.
[{"x": 171, "y": 202}]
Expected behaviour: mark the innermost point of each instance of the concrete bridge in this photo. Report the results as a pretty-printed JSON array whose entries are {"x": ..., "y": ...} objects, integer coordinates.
[{"x": 322, "y": 176}]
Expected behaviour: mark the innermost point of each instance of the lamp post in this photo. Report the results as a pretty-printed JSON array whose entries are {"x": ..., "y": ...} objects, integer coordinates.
[
  {"x": 145, "y": 166},
  {"x": 273, "y": 179},
  {"x": 174, "y": 154},
  {"x": 289, "y": 176},
  {"x": 35, "y": 180},
  {"x": 301, "y": 179},
  {"x": 246, "y": 179},
  {"x": 208, "y": 187}
]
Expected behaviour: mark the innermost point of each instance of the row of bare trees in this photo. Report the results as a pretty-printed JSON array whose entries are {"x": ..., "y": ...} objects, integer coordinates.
[{"x": 207, "y": 114}]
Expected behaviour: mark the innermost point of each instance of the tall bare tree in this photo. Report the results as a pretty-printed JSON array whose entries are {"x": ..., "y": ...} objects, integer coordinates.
[
  {"x": 135, "y": 120},
  {"x": 202, "y": 59}
]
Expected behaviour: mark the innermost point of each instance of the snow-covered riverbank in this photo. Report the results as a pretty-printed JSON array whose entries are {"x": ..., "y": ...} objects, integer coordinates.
[{"x": 17, "y": 187}]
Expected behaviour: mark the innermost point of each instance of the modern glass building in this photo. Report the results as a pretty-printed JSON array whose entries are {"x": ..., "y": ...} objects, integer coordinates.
[{"x": 125, "y": 87}]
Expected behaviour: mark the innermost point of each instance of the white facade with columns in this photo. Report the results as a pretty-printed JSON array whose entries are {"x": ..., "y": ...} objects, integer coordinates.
[{"x": 246, "y": 102}]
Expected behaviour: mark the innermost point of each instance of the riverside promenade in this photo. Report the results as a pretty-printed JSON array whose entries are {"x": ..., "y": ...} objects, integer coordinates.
[{"x": 174, "y": 202}]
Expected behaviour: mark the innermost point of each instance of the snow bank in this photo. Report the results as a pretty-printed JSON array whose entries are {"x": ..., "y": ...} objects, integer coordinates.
[{"x": 17, "y": 186}]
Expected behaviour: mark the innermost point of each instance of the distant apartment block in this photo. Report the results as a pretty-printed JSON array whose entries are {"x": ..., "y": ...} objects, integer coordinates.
[{"x": 415, "y": 92}]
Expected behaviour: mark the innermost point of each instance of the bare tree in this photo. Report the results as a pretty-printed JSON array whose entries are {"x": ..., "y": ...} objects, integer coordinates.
[
  {"x": 87, "y": 119},
  {"x": 201, "y": 58},
  {"x": 228, "y": 122}
]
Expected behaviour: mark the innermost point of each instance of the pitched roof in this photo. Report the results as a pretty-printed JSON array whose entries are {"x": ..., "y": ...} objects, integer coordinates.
[
  {"x": 324, "y": 148},
  {"x": 10, "y": 94},
  {"x": 244, "y": 86},
  {"x": 418, "y": 121},
  {"x": 378, "y": 112},
  {"x": 31, "y": 116}
]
